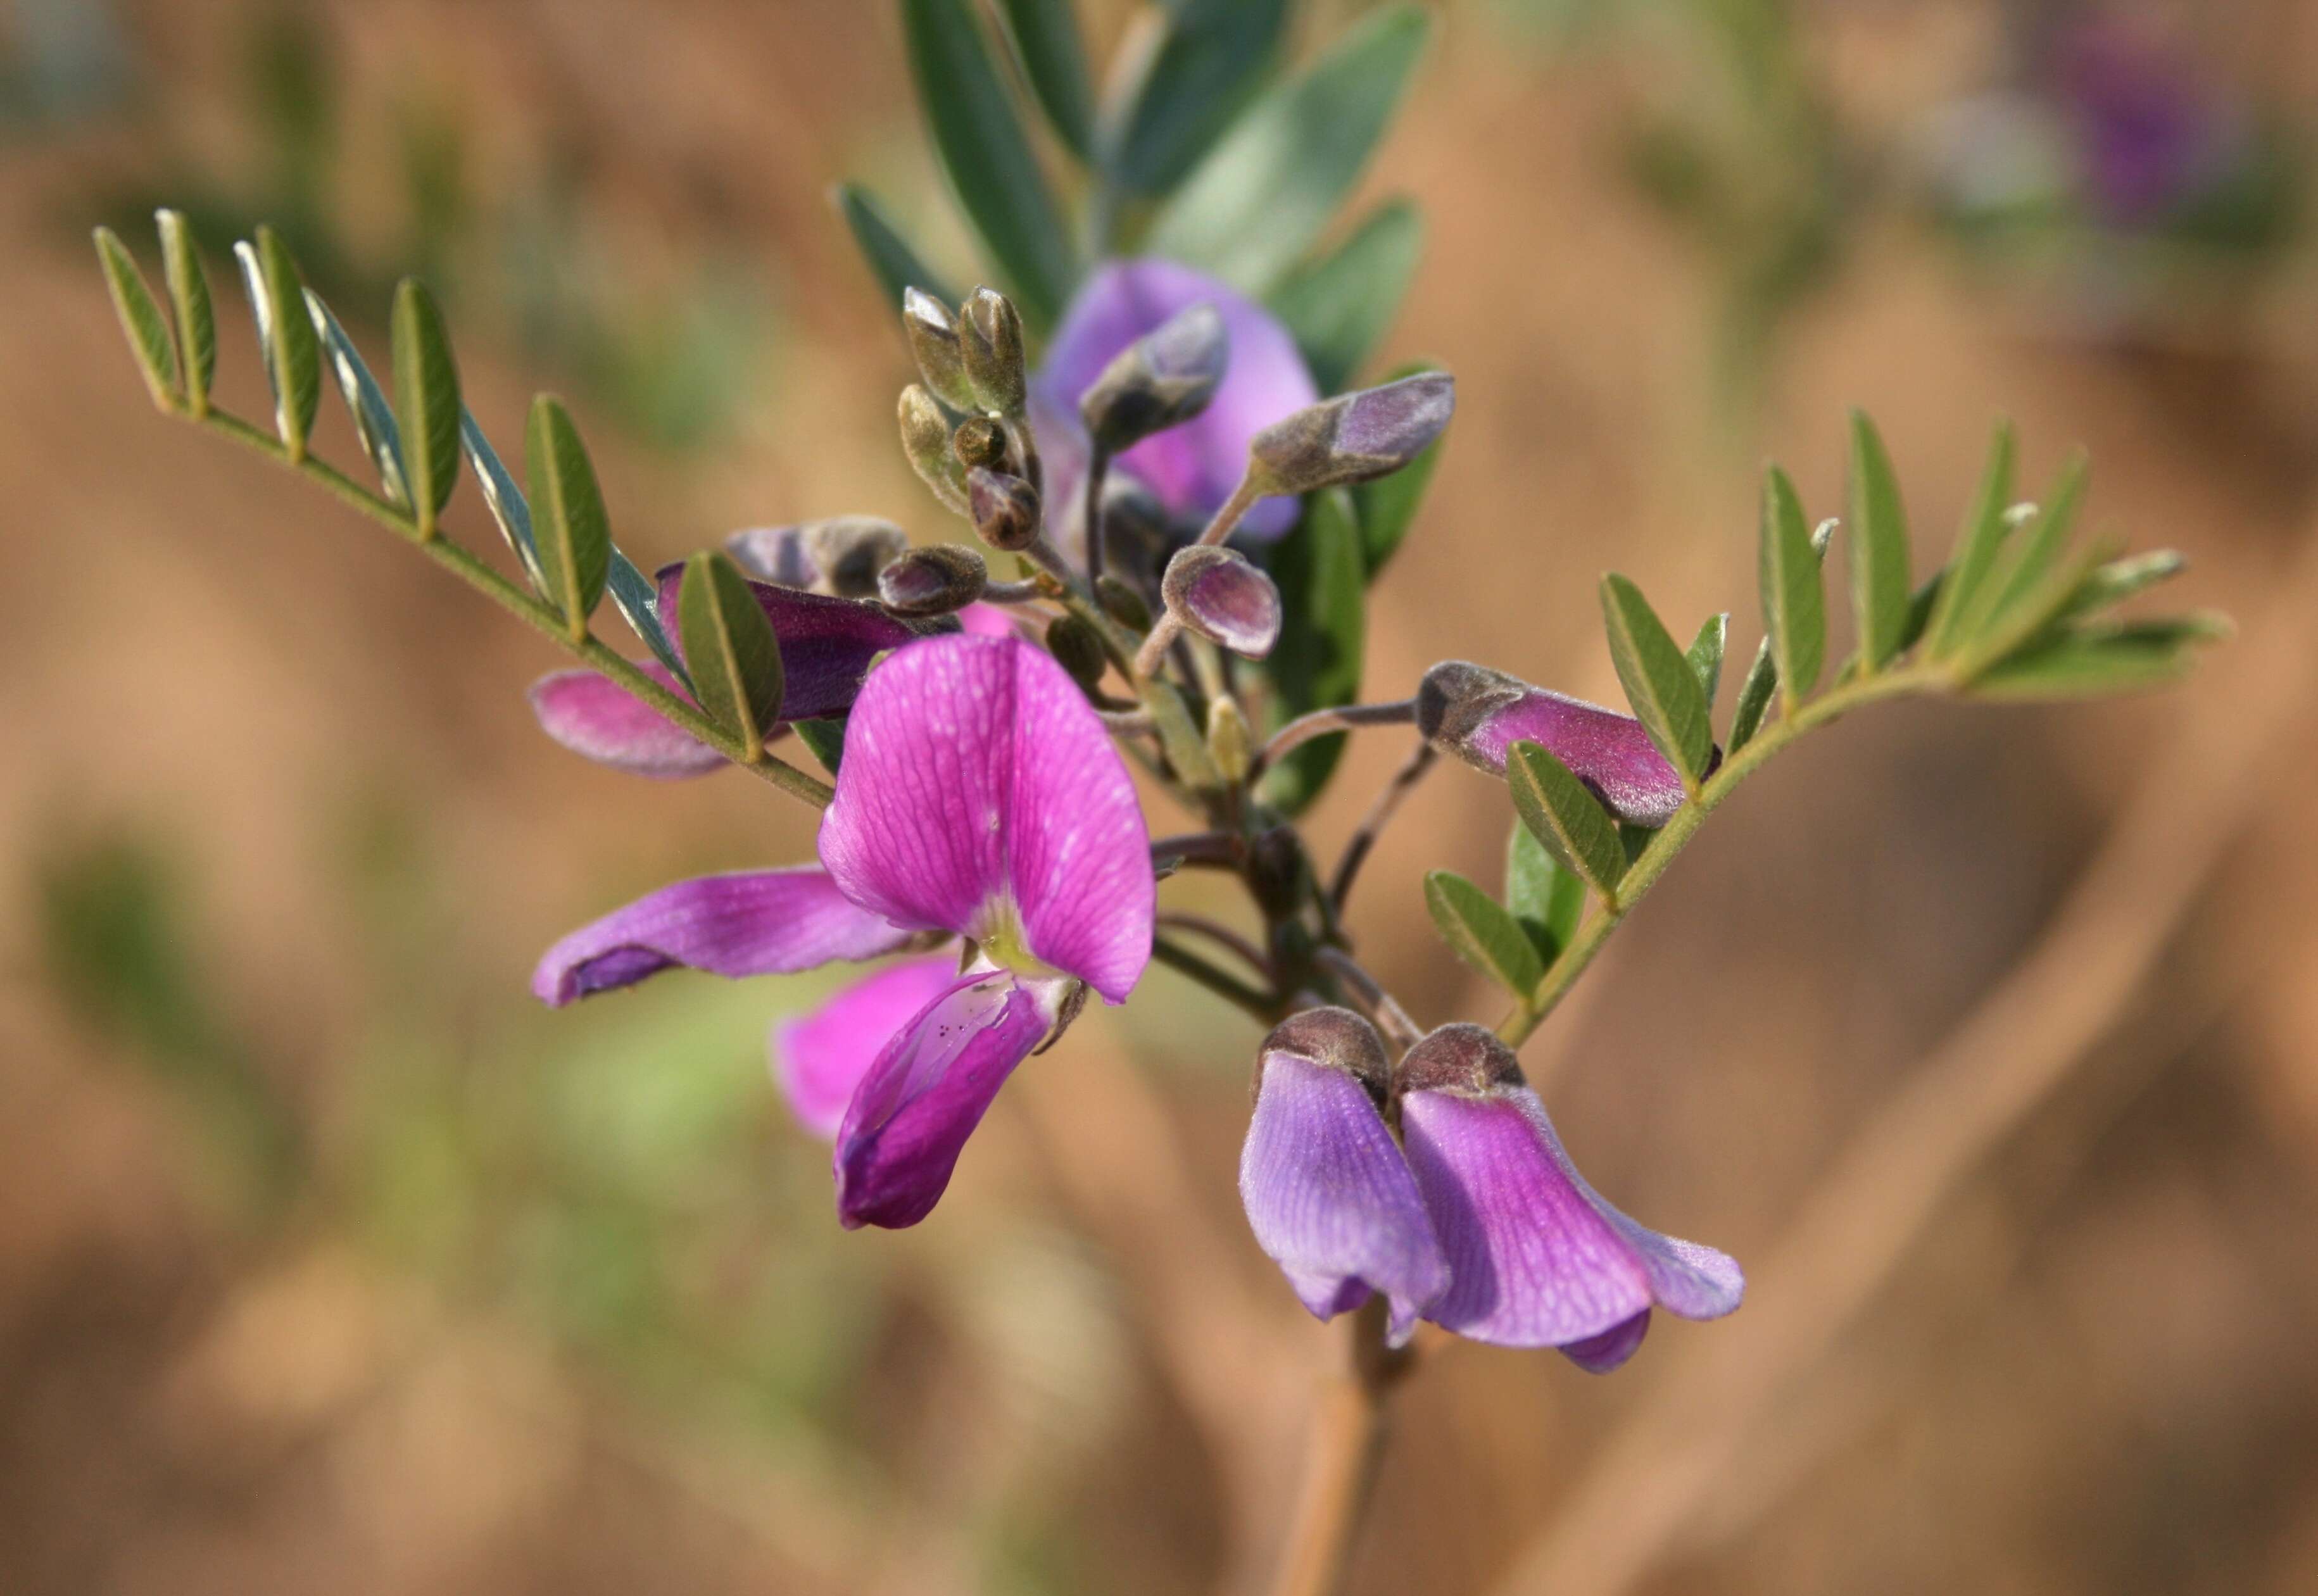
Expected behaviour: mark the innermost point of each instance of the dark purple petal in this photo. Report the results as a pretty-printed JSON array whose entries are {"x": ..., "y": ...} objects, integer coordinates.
[
  {"x": 597, "y": 718},
  {"x": 826, "y": 643},
  {"x": 1598, "y": 1355},
  {"x": 820, "y": 1058},
  {"x": 1329, "y": 1197},
  {"x": 928, "y": 1090},
  {"x": 1219, "y": 595},
  {"x": 980, "y": 795},
  {"x": 1191, "y": 468},
  {"x": 1536, "y": 1257},
  {"x": 1477, "y": 713},
  {"x": 762, "y": 922}
]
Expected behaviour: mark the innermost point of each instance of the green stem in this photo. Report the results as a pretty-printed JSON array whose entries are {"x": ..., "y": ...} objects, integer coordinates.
[
  {"x": 589, "y": 650},
  {"x": 1675, "y": 834}
]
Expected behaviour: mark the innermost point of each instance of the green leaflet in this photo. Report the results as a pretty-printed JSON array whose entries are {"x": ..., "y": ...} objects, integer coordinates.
[
  {"x": 1659, "y": 680},
  {"x": 1045, "y": 34},
  {"x": 1794, "y": 600},
  {"x": 572, "y": 532},
  {"x": 426, "y": 400},
  {"x": 986, "y": 155},
  {"x": 293, "y": 351},
  {"x": 1977, "y": 545},
  {"x": 1323, "y": 577},
  {"x": 1705, "y": 655},
  {"x": 1340, "y": 305},
  {"x": 189, "y": 295},
  {"x": 1481, "y": 932},
  {"x": 1545, "y": 900},
  {"x": 736, "y": 659},
  {"x": 892, "y": 259},
  {"x": 1266, "y": 192},
  {"x": 1563, "y": 814},
  {"x": 141, "y": 322},
  {"x": 1878, "y": 547},
  {"x": 1200, "y": 70}
]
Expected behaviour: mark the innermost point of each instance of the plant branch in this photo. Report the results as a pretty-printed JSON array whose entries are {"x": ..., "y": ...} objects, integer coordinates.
[
  {"x": 1388, "y": 805},
  {"x": 1320, "y": 722},
  {"x": 1263, "y": 1005},
  {"x": 1348, "y": 1436}
]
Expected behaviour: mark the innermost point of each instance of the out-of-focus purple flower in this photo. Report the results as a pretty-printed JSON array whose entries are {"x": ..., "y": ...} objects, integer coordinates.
[
  {"x": 1477, "y": 714},
  {"x": 979, "y": 796},
  {"x": 1536, "y": 1257},
  {"x": 827, "y": 644},
  {"x": 1193, "y": 467},
  {"x": 2151, "y": 131},
  {"x": 756, "y": 922},
  {"x": 1326, "y": 1191},
  {"x": 820, "y": 1058},
  {"x": 597, "y": 718},
  {"x": 839, "y": 556}
]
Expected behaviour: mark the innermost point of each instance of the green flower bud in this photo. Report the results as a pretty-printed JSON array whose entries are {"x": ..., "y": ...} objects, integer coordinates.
[
  {"x": 991, "y": 331},
  {"x": 925, "y": 439},
  {"x": 934, "y": 342}
]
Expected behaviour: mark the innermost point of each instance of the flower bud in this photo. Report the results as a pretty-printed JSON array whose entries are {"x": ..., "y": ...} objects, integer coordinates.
[
  {"x": 935, "y": 345},
  {"x": 1216, "y": 594},
  {"x": 1477, "y": 714},
  {"x": 925, "y": 440},
  {"x": 1160, "y": 381},
  {"x": 1354, "y": 437},
  {"x": 775, "y": 554},
  {"x": 979, "y": 442},
  {"x": 991, "y": 332},
  {"x": 848, "y": 551},
  {"x": 1137, "y": 532},
  {"x": 1230, "y": 744},
  {"x": 1123, "y": 603},
  {"x": 938, "y": 580},
  {"x": 1078, "y": 650},
  {"x": 1005, "y": 510}
]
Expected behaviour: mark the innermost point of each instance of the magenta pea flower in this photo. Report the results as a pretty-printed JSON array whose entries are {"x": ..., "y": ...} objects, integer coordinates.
[
  {"x": 1477, "y": 715},
  {"x": 980, "y": 798},
  {"x": 1536, "y": 1257},
  {"x": 1327, "y": 1194},
  {"x": 820, "y": 1058},
  {"x": 1191, "y": 468},
  {"x": 827, "y": 645}
]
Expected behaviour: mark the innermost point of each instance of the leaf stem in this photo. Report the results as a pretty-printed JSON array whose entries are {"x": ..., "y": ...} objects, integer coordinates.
[
  {"x": 1675, "y": 834},
  {"x": 591, "y": 651}
]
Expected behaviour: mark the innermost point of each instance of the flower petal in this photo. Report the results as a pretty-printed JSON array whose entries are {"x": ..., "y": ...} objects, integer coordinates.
[
  {"x": 820, "y": 1058},
  {"x": 1530, "y": 1261},
  {"x": 1329, "y": 1197},
  {"x": 1598, "y": 1355},
  {"x": 980, "y": 795},
  {"x": 908, "y": 1120},
  {"x": 763, "y": 922},
  {"x": 1191, "y": 468},
  {"x": 827, "y": 643},
  {"x": 597, "y": 718},
  {"x": 1477, "y": 715}
]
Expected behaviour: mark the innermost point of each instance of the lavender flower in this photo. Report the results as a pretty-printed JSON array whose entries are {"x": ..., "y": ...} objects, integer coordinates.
[
  {"x": 1193, "y": 467},
  {"x": 1477, "y": 714},
  {"x": 980, "y": 797},
  {"x": 1326, "y": 1189},
  {"x": 1536, "y": 1257}
]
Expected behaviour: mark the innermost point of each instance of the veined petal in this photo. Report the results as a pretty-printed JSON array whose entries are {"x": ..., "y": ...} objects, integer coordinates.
[
  {"x": 760, "y": 922},
  {"x": 1326, "y": 1191},
  {"x": 597, "y": 718},
  {"x": 1192, "y": 468},
  {"x": 911, "y": 1116},
  {"x": 980, "y": 795},
  {"x": 820, "y": 1058},
  {"x": 827, "y": 643}
]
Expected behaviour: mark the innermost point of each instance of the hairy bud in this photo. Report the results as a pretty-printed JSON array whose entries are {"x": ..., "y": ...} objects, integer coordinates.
[
  {"x": 925, "y": 440},
  {"x": 1160, "y": 381},
  {"x": 979, "y": 442},
  {"x": 1078, "y": 650},
  {"x": 933, "y": 581},
  {"x": 1461, "y": 1058},
  {"x": 1477, "y": 714},
  {"x": 1354, "y": 437},
  {"x": 1005, "y": 510},
  {"x": 1123, "y": 603},
  {"x": 1335, "y": 1038},
  {"x": 1214, "y": 593},
  {"x": 935, "y": 345},
  {"x": 991, "y": 332}
]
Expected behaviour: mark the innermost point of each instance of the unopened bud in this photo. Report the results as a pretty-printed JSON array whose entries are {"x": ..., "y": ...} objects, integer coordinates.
[
  {"x": 1078, "y": 650},
  {"x": 1160, "y": 381},
  {"x": 848, "y": 551},
  {"x": 1338, "y": 1039},
  {"x": 1462, "y": 1058},
  {"x": 1137, "y": 530},
  {"x": 979, "y": 441},
  {"x": 938, "y": 580},
  {"x": 1005, "y": 510},
  {"x": 925, "y": 439},
  {"x": 935, "y": 345},
  {"x": 1216, "y": 594},
  {"x": 1477, "y": 714},
  {"x": 1354, "y": 437},
  {"x": 1123, "y": 603},
  {"x": 991, "y": 332},
  {"x": 1230, "y": 743},
  {"x": 775, "y": 554}
]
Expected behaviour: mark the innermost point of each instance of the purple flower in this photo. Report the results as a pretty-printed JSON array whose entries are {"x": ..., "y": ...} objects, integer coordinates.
[
  {"x": 820, "y": 1058},
  {"x": 1536, "y": 1257},
  {"x": 980, "y": 797},
  {"x": 1326, "y": 1191},
  {"x": 598, "y": 719},
  {"x": 1193, "y": 467},
  {"x": 1477, "y": 713},
  {"x": 2152, "y": 134}
]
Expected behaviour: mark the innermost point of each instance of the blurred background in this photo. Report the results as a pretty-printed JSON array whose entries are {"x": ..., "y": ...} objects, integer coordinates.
[{"x": 328, "y": 1259}]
